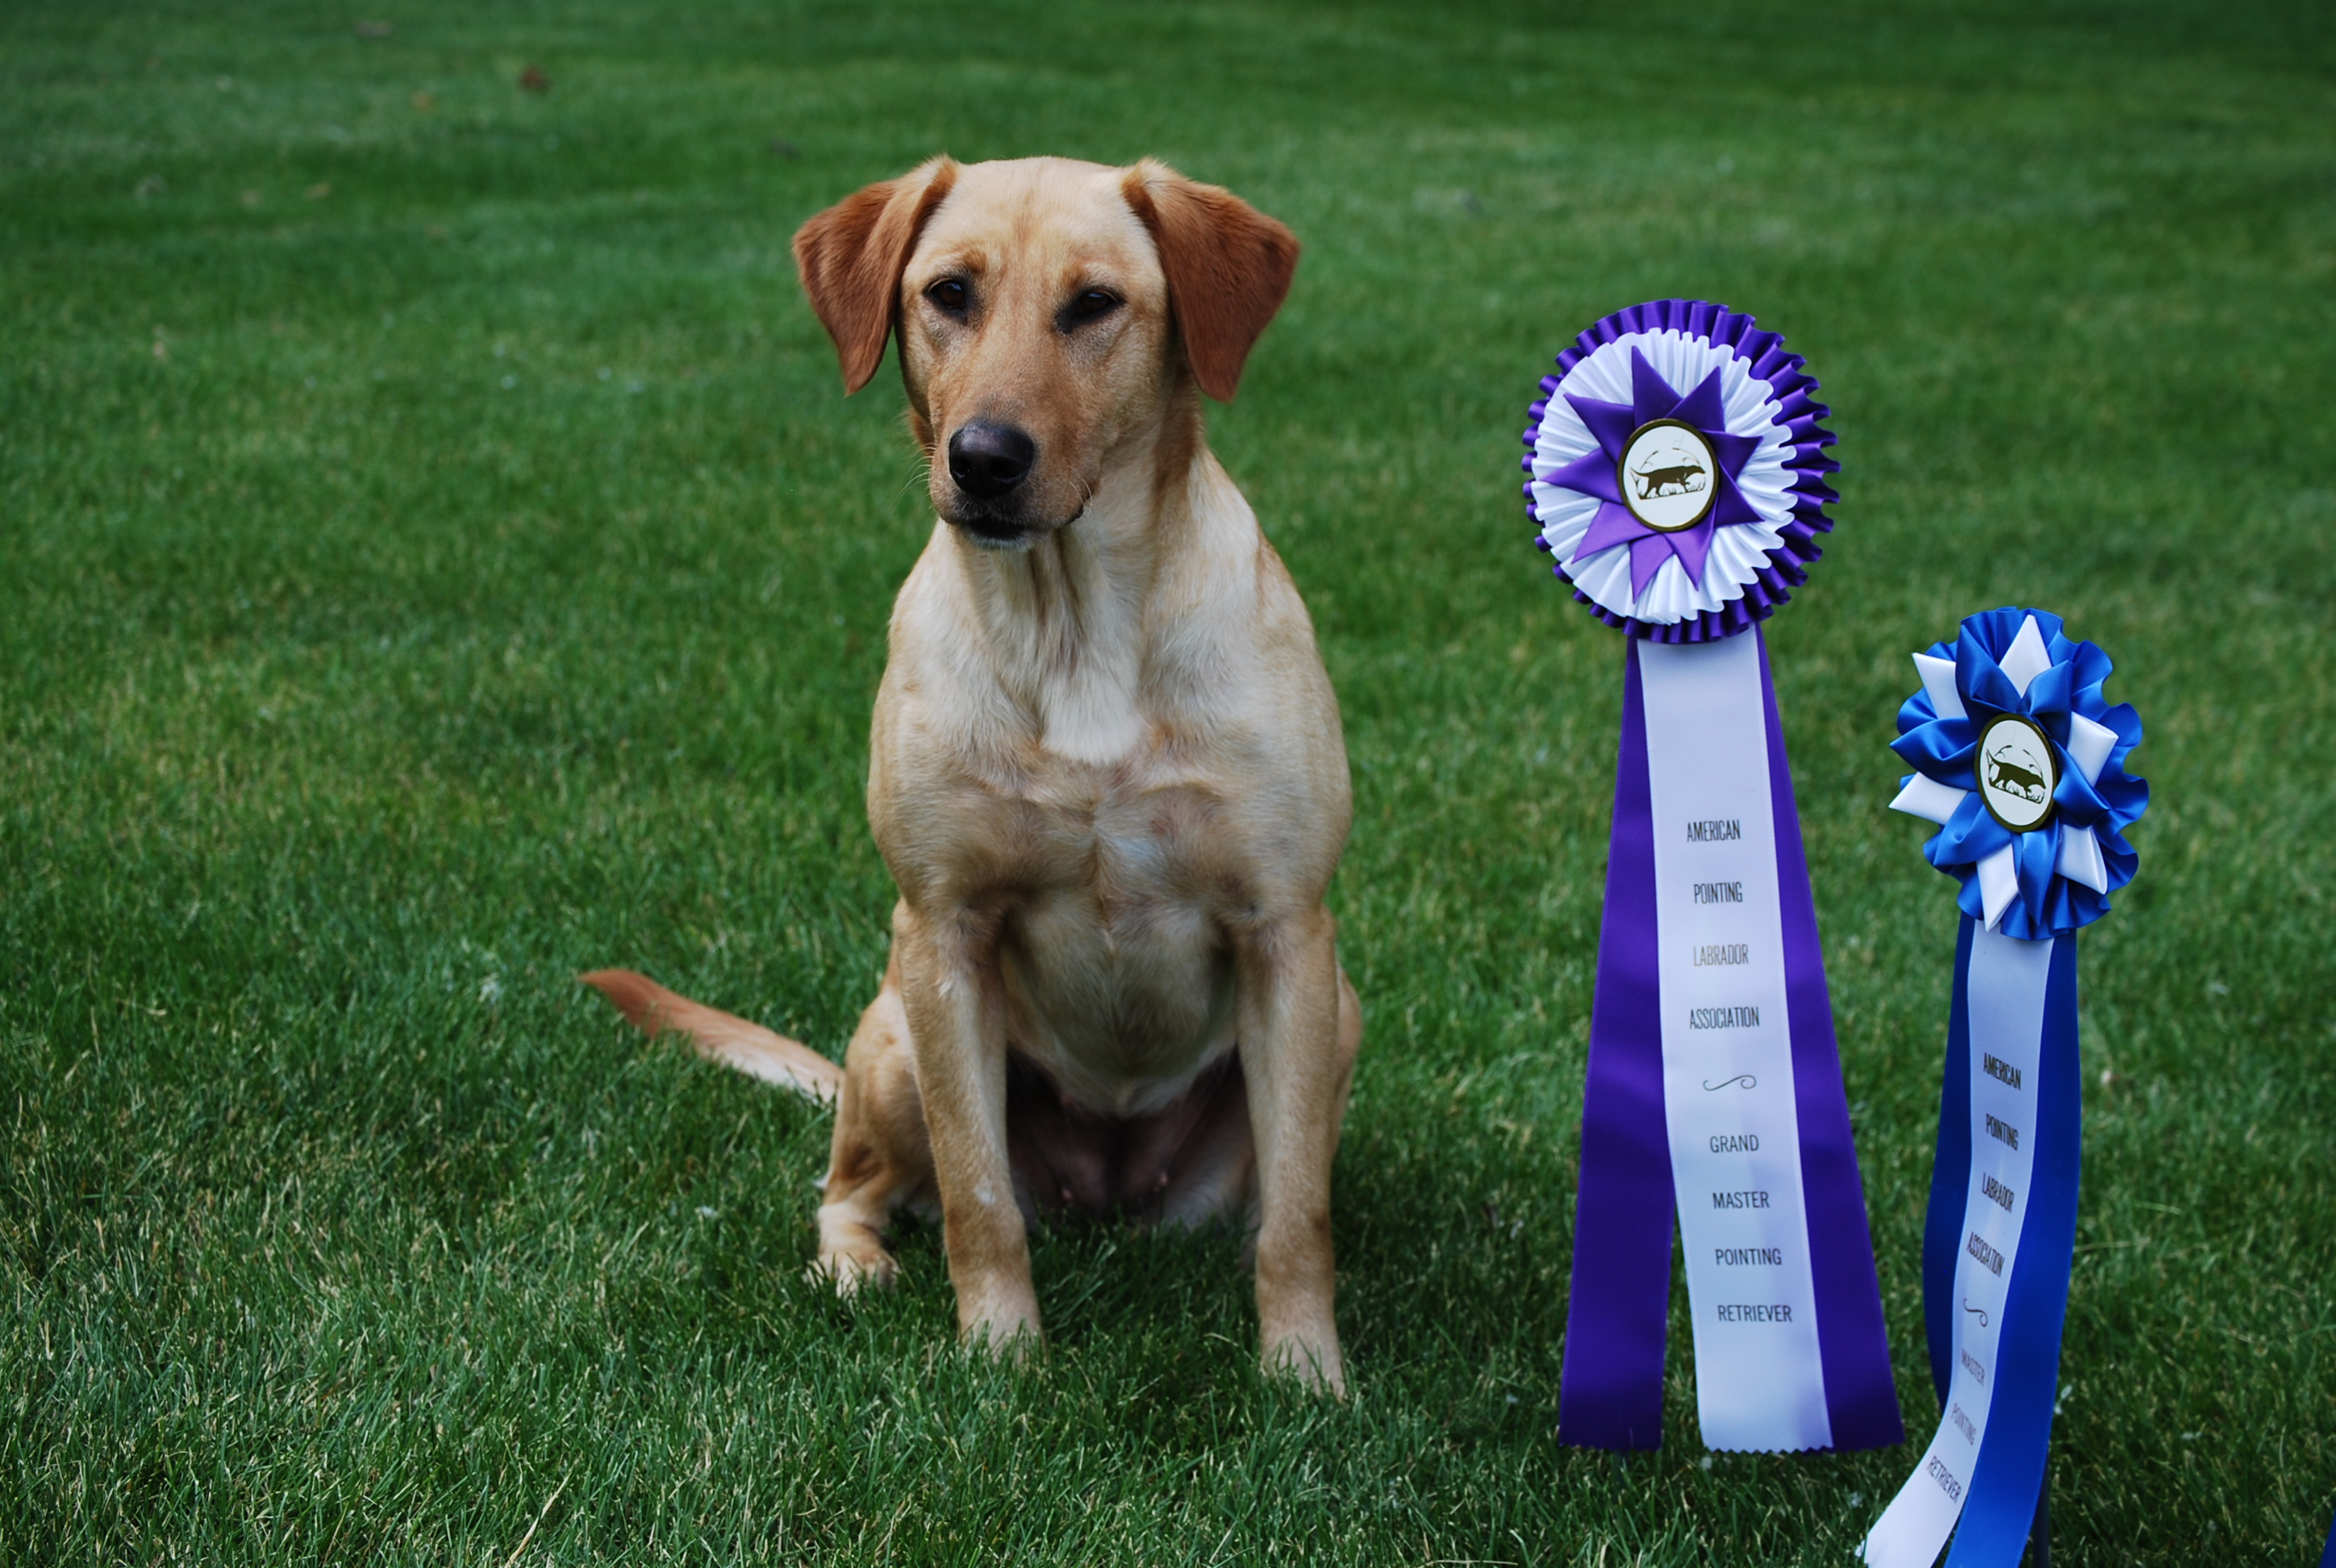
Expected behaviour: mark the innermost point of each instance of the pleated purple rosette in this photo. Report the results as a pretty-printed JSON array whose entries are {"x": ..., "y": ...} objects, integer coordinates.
[
  {"x": 1678, "y": 477},
  {"x": 1708, "y": 367}
]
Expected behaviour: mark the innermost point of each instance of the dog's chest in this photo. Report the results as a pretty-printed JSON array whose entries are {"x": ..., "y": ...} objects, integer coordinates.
[
  {"x": 1134, "y": 841},
  {"x": 1116, "y": 950}
]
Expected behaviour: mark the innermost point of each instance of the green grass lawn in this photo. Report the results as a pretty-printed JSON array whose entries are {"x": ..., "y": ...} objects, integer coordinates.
[{"x": 437, "y": 559}]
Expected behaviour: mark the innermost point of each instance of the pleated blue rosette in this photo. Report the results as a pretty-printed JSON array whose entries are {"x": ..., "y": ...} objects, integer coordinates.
[{"x": 2056, "y": 877}]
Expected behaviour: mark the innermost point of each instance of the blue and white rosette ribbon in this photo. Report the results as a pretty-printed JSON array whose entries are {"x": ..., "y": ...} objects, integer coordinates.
[
  {"x": 1678, "y": 477},
  {"x": 2020, "y": 761}
]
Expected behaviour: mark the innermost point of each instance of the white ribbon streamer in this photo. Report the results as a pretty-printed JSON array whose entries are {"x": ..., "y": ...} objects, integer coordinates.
[
  {"x": 2006, "y": 992},
  {"x": 1728, "y": 1064}
]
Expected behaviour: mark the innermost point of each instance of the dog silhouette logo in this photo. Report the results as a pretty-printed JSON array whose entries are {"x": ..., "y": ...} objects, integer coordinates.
[
  {"x": 2005, "y": 772},
  {"x": 1679, "y": 479},
  {"x": 2017, "y": 773},
  {"x": 1666, "y": 475}
]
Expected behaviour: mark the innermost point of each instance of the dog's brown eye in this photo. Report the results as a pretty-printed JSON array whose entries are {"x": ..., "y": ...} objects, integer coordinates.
[
  {"x": 1088, "y": 305},
  {"x": 949, "y": 295}
]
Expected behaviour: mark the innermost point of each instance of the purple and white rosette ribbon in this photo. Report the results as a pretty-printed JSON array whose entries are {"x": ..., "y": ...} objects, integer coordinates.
[
  {"x": 1676, "y": 471},
  {"x": 1676, "y": 478},
  {"x": 2020, "y": 761}
]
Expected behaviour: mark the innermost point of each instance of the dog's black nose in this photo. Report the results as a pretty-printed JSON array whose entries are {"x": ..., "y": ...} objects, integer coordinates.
[{"x": 988, "y": 460}]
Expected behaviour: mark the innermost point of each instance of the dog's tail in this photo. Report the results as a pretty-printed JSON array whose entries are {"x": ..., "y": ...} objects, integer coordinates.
[{"x": 720, "y": 1036}]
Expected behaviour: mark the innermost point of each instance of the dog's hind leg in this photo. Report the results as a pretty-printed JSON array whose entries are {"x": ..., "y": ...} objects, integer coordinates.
[{"x": 881, "y": 1159}]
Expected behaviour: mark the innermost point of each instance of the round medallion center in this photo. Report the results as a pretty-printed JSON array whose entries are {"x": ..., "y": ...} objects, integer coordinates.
[
  {"x": 1669, "y": 476},
  {"x": 2018, "y": 773}
]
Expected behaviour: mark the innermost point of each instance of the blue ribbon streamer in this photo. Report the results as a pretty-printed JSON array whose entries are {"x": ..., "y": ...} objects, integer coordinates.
[
  {"x": 2001, "y": 1508},
  {"x": 2002, "y": 1504},
  {"x": 1943, "y": 1224}
]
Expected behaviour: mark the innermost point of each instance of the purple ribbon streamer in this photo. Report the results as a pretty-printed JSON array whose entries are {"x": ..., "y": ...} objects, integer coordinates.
[
  {"x": 1611, "y": 1393},
  {"x": 1611, "y": 1390}
]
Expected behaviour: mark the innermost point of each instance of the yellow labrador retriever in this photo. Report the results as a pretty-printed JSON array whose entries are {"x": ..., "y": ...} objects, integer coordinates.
[{"x": 1107, "y": 768}]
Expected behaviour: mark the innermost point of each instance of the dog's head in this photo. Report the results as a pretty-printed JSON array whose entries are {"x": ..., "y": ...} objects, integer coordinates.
[{"x": 1049, "y": 314}]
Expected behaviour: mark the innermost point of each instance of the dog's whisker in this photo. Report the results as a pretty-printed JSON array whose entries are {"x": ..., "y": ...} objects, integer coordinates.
[{"x": 920, "y": 475}]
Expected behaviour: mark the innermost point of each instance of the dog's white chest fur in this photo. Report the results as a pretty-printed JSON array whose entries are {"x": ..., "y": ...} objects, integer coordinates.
[{"x": 1090, "y": 715}]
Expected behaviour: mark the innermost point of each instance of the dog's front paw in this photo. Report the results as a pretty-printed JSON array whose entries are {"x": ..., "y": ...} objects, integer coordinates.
[
  {"x": 849, "y": 1273},
  {"x": 1005, "y": 1325},
  {"x": 1313, "y": 1359}
]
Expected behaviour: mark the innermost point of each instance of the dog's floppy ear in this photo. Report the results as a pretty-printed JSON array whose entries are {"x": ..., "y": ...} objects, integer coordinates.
[
  {"x": 1228, "y": 267},
  {"x": 850, "y": 257}
]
